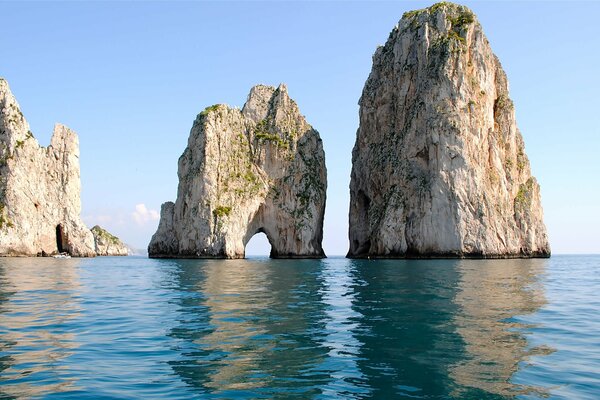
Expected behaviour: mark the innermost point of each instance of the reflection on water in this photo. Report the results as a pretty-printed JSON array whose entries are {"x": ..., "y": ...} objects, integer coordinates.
[
  {"x": 252, "y": 326},
  {"x": 342, "y": 325},
  {"x": 408, "y": 338},
  {"x": 259, "y": 328},
  {"x": 355, "y": 328},
  {"x": 490, "y": 294},
  {"x": 35, "y": 306}
]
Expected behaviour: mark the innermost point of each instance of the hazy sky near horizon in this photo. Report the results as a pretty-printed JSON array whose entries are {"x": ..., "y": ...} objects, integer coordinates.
[{"x": 130, "y": 78}]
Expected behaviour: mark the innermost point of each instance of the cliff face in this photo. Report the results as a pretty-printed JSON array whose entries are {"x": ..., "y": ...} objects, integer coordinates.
[
  {"x": 439, "y": 167},
  {"x": 261, "y": 169},
  {"x": 39, "y": 188},
  {"x": 107, "y": 244}
]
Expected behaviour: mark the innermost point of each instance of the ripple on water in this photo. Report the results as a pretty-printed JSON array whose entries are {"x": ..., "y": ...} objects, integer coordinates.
[{"x": 334, "y": 328}]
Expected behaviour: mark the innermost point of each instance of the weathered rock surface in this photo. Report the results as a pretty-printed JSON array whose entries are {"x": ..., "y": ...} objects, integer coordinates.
[
  {"x": 40, "y": 202},
  {"x": 439, "y": 167},
  {"x": 107, "y": 244},
  {"x": 259, "y": 169}
]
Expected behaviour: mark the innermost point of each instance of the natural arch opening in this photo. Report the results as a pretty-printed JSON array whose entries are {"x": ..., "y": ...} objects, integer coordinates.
[
  {"x": 258, "y": 245},
  {"x": 61, "y": 239}
]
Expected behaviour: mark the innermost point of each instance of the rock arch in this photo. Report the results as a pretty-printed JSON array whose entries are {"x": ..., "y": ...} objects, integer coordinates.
[
  {"x": 256, "y": 236},
  {"x": 261, "y": 168}
]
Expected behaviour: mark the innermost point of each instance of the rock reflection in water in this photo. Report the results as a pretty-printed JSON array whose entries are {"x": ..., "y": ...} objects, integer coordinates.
[
  {"x": 250, "y": 326},
  {"x": 384, "y": 329},
  {"x": 37, "y": 299},
  {"x": 440, "y": 327},
  {"x": 407, "y": 310},
  {"x": 262, "y": 328},
  {"x": 490, "y": 295}
]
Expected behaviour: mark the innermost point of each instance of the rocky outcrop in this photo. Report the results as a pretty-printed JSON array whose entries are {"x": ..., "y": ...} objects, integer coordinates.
[
  {"x": 259, "y": 169},
  {"x": 439, "y": 167},
  {"x": 39, "y": 189},
  {"x": 107, "y": 244}
]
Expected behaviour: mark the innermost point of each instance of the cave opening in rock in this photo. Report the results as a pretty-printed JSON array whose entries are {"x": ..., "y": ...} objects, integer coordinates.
[
  {"x": 258, "y": 245},
  {"x": 61, "y": 240}
]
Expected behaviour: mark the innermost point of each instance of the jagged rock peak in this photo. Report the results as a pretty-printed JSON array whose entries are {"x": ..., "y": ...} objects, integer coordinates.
[
  {"x": 40, "y": 202},
  {"x": 107, "y": 244},
  {"x": 439, "y": 167},
  {"x": 259, "y": 169},
  {"x": 257, "y": 105}
]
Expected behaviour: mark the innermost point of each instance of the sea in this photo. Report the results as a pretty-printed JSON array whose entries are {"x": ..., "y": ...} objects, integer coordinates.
[{"x": 139, "y": 328}]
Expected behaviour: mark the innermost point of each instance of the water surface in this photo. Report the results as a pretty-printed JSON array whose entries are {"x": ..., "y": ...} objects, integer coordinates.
[{"x": 335, "y": 328}]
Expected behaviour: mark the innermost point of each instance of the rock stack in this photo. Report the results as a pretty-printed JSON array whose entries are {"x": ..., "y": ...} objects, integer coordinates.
[
  {"x": 40, "y": 202},
  {"x": 439, "y": 167},
  {"x": 259, "y": 169}
]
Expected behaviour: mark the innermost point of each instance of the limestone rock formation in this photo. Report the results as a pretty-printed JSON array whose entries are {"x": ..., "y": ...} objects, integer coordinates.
[
  {"x": 39, "y": 189},
  {"x": 439, "y": 167},
  {"x": 107, "y": 244},
  {"x": 259, "y": 169}
]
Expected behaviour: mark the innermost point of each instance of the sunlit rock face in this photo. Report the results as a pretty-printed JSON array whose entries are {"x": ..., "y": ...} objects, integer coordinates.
[
  {"x": 439, "y": 167},
  {"x": 259, "y": 169},
  {"x": 40, "y": 203}
]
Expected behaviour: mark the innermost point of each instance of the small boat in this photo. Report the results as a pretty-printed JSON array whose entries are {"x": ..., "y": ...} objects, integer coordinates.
[{"x": 62, "y": 255}]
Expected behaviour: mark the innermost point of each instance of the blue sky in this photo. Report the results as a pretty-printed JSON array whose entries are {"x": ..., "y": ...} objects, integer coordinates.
[{"x": 131, "y": 77}]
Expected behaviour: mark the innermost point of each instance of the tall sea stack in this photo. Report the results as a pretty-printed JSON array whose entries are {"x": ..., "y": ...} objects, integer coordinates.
[
  {"x": 439, "y": 167},
  {"x": 40, "y": 202},
  {"x": 259, "y": 169}
]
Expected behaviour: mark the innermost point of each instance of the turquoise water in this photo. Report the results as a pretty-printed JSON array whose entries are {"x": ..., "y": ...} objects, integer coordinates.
[{"x": 336, "y": 328}]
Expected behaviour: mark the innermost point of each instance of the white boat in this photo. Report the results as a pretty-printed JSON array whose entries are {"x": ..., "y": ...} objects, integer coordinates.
[{"x": 61, "y": 255}]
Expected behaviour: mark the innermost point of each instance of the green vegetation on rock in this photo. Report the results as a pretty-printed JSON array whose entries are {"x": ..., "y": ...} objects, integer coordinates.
[
  {"x": 262, "y": 133},
  {"x": 465, "y": 15},
  {"x": 521, "y": 160},
  {"x": 502, "y": 103},
  {"x": 459, "y": 17},
  {"x": 464, "y": 18},
  {"x": 210, "y": 109},
  {"x": 7, "y": 155},
  {"x": 222, "y": 211},
  {"x": 3, "y": 219},
  {"x": 105, "y": 235},
  {"x": 524, "y": 194}
]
